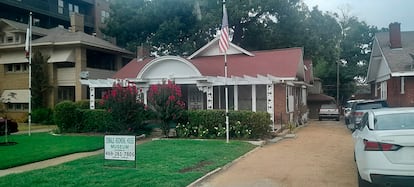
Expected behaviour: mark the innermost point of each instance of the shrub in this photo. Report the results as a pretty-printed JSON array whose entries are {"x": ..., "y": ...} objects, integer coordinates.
[
  {"x": 211, "y": 124},
  {"x": 67, "y": 117},
  {"x": 96, "y": 120},
  {"x": 165, "y": 102},
  {"x": 126, "y": 108},
  {"x": 42, "y": 115}
]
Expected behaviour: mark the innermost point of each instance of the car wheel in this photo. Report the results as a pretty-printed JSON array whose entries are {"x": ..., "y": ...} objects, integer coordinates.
[
  {"x": 362, "y": 182},
  {"x": 320, "y": 119},
  {"x": 337, "y": 119}
]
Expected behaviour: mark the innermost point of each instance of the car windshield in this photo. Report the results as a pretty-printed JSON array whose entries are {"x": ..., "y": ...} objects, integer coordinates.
[
  {"x": 394, "y": 121},
  {"x": 367, "y": 106},
  {"x": 328, "y": 106}
]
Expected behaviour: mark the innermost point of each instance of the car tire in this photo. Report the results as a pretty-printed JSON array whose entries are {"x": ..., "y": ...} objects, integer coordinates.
[
  {"x": 320, "y": 119},
  {"x": 362, "y": 182},
  {"x": 337, "y": 119}
]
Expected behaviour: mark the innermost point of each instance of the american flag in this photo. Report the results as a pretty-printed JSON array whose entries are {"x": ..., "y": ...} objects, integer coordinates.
[{"x": 224, "y": 37}]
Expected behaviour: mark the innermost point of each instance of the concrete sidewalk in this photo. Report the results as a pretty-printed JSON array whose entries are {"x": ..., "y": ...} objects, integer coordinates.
[{"x": 47, "y": 163}]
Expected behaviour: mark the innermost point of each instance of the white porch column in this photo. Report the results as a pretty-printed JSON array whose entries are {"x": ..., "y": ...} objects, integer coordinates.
[
  {"x": 145, "y": 92},
  {"x": 253, "y": 97},
  {"x": 270, "y": 103},
  {"x": 91, "y": 98},
  {"x": 236, "y": 97},
  {"x": 210, "y": 98}
]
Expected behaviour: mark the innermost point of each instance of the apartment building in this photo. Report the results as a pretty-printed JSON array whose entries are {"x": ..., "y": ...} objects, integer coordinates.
[{"x": 53, "y": 13}]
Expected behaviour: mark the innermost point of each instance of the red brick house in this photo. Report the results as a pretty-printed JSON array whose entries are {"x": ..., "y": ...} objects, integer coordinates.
[
  {"x": 391, "y": 67},
  {"x": 272, "y": 81}
]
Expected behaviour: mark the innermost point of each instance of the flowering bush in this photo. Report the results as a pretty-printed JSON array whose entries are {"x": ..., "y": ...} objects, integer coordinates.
[
  {"x": 125, "y": 106},
  {"x": 165, "y": 101}
]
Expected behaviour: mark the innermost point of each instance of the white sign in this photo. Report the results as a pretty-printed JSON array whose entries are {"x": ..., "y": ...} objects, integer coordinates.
[{"x": 119, "y": 147}]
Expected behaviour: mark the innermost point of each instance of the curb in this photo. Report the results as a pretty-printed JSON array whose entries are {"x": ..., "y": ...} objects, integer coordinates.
[{"x": 199, "y": 181}]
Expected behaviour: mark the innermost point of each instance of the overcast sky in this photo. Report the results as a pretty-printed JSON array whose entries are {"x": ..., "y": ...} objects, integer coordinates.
[{"x": 374, "y": 12}]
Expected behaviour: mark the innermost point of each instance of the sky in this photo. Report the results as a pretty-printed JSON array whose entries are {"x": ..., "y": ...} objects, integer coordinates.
[{"x": 379, "y": 13}]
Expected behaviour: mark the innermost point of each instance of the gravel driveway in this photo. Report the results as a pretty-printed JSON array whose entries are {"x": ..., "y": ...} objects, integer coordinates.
[{"x": 320, "y": 155}]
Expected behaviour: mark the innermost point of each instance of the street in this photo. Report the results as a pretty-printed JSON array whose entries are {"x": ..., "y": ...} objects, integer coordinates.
[{"x": 321, "y": 154}]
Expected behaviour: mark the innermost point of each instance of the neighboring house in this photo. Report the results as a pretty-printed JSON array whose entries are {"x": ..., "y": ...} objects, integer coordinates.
[
  {"x": 272, "y": 81},
  {"x": 53, "y": 13},
  {"x": 71, "y": 53},
  {"x": 391, "y": 67},
  {"x": 316, "y": 98}
]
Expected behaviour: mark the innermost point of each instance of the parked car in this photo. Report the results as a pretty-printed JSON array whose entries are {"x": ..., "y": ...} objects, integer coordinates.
[
  {"x": 329, "y": 111},
  {"x": 384, "y": 147},
  {"x": 347, "y": 110},
  {"x": 11, "y": 126},
  {"x": 360, "y": 107}
]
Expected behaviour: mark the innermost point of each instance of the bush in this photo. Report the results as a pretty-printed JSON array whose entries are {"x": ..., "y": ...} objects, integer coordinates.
[
  {"x": 126, "y": 108},
  {"x": 211, "y": 124},
  {"x": 67, "y": 117},
  {"x": 97, "y": 120},
  {"x": 42, "y": 115}
]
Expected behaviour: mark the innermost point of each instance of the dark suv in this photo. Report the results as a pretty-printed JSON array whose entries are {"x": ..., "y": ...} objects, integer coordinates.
[{"x": 360, "y": 107}]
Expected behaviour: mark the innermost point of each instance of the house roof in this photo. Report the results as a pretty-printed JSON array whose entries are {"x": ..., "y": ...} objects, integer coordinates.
[
  {"x": 320, "y": 97},
  {"x": 60, "y": 36},
  {"x": 22, "y": 27},
  {"x": 283, "y": 63},
  {"x": 399, "y": 60}
]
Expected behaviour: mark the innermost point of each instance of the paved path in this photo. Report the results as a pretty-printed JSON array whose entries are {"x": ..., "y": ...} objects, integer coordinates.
[
  {"x": 320, "y": 155},
  {"x": 57, "y": 161}
]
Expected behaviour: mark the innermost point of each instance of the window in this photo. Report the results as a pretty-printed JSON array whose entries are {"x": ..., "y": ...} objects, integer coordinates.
[
  {"x": 66, "y": 93},
  {"x": 384, "y": 90},
  {"x": 17, "y": 106},
  {"x": 60, "y": 6},
  {"x": 21, "y": 67},
  {"x": 104, "y": 16},
  {"x": 73, "y": 8},
  {"x": 9, "y": 39},
  {"x": 36, "y": 22}
]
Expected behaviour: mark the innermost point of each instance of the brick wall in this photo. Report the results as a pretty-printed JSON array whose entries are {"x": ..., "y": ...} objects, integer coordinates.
[
  {"x": 394, "y": 96},
  {"x": 280, "y": 103}
]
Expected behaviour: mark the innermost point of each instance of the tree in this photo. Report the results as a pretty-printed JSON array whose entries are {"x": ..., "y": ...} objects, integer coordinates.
[
  {"x": 40, "y": 80},
  {"x": 125, "y": 106},
  {"x": 166, "y": 103}
]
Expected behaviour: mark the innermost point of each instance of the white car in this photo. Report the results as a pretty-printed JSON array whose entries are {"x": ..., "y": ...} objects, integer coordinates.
[{"x": 384, "y": 147}]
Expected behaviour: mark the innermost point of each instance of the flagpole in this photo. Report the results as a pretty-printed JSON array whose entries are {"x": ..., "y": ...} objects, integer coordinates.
[
  {"x": 30, "y": 73},
  {"x": 224, "y": 44}
]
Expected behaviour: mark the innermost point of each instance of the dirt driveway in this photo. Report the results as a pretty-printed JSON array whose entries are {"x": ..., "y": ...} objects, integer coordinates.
[{"x": 320, "y": 155}]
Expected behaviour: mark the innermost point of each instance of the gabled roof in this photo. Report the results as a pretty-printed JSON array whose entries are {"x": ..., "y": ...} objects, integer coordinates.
[
  {"x": 212, "y": 49},
  {"x": 22, "y": 27},
  {"x": 282, "y": 63},
  {"x": 398, "y": 60},
  {"x": 60, "y": 36}
]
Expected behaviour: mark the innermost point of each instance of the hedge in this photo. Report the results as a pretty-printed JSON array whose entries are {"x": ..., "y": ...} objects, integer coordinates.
[{"x": 211, "y": 124}]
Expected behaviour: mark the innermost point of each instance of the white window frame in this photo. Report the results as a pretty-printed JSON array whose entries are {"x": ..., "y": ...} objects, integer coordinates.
[
  {"x": 384, "y": 90},
  {"x": 402, "y": 85}
]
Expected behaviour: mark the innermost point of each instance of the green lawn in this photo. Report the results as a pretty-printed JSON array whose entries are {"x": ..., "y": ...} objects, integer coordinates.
[
  {"x": 159, "y": 163},
  {"x": 41, "y": 146}
]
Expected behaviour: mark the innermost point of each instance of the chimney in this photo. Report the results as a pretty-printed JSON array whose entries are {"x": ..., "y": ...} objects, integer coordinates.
[
  {"x": 142, "y": 52},
  {"x": 76, "y": 22},
  {"x": 395, "y": 35}
]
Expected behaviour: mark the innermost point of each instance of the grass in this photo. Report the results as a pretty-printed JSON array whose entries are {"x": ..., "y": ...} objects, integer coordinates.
[
  {"x": 42, "y": 146},
  {"x": 159, "y": 163}
]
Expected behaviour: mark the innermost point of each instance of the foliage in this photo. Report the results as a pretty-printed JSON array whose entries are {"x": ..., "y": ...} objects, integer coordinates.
[
  {"x": 192, "y": 159},
  {"x": 164, "y": 100},
  {"x": 42, "y": 146},
  {"x": 67, "y": 117},
  {"x": 40, "y": 80},
  {"x": 42, "y": 115},
  {"x": 211, "y": 124},
  {"x": 126, "y": 108},
  {"x": 96, "y": 120},
  {"x": 181, "y": 27}
]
